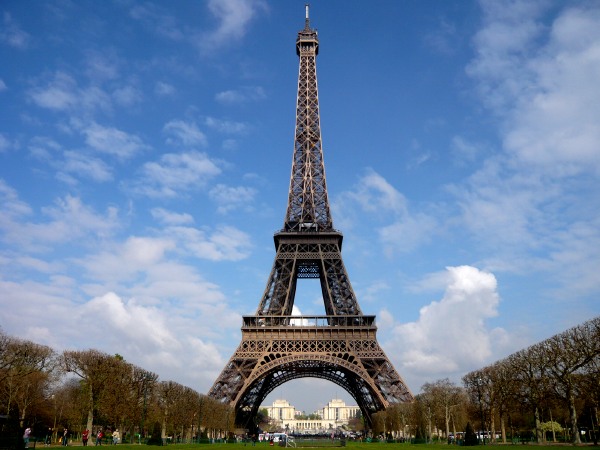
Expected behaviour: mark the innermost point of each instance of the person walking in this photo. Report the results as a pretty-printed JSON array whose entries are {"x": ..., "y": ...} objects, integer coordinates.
[
  {"x": 99, "y": 437},
  {"x": 65, "y": 439},
  {"x": 115, "y": 437},
  {"x": 26, "y": 435},
  {"x": 84, "y": 437}
]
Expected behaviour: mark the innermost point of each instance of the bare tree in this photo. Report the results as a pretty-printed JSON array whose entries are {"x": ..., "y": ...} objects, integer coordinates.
[
  {"x": 443, "y": 396},
  {"x": 25, "y": 369},
  {"x": 94, "y": 368},
  {"x": 566, "y": 355}
]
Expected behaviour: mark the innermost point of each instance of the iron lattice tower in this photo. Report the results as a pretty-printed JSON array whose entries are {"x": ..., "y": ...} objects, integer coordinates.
[{"x": 340, "y": 346}]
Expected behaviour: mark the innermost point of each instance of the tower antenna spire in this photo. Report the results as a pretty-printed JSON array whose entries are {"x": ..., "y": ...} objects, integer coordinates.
[
  {"x": 278, "y": 346},
  {"x": 307, "y": 21}
]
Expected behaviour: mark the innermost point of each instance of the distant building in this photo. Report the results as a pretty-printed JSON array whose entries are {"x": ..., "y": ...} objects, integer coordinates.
[
  {"x": 332, "y": 416},
  {"x": 280, "y": 410},
  {"x": 337, "y": 410}
]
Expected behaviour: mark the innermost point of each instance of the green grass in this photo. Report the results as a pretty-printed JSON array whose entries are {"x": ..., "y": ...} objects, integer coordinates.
[
  {"x": 262, "y": 446},
  {"x": 351, "y": 445},
  {"x": 266, "y": 446}
]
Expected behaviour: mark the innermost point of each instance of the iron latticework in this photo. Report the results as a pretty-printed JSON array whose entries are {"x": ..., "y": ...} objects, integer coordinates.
[{"x": 340, "y": 346}]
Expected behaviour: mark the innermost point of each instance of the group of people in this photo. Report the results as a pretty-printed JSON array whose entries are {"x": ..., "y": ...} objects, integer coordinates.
[
  {"x": 64, "y": 439},
  {"x": 115, "y": 437}
]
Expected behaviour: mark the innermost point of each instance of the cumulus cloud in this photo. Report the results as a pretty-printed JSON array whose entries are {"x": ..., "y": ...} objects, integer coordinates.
[
  {"x": 234, "y": 17},
  {"x": 77, "y": 164},
  {"x": 174, "y": 174},
  {"x": 69, "y": 219},
  {"x": 185, "y": 133},
  {"x": 111, "y": 140},
  {"x": 156, "y": 337},
  {"x": 546, "y": 97},
  {"x": 222, "y": 243},
  {"x": 451, "y": 335},
  {"x": 399, "y": 229},
  {"x": 529, "y": 206},
  {"x": 142, "y": 333},
  {"x": 124, "y": 261},
  {"x": 229, "y": 198},
  {"x": 61, "y": 92}
]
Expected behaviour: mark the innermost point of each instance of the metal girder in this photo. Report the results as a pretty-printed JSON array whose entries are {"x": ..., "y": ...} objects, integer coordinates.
[
  {"x": 308, "y": 256},
  {"x": 274, "y": 351},
  {"x": 308, "y": 205},
  {"x": 341, "y": 346}
]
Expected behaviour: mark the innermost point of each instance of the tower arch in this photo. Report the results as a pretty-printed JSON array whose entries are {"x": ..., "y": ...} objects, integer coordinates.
[{"x": 340, "y": 346}]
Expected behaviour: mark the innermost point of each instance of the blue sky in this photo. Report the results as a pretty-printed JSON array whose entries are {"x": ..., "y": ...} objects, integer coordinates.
[{"x": 145, "y": 155}]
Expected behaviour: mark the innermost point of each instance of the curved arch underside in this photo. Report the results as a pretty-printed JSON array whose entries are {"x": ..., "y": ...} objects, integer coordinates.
[{"x": 289, "y": 369}]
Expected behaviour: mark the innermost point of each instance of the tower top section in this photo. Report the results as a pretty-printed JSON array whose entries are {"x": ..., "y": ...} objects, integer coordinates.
[
  {"x": 307, "y": 37},
  {"x": 308, "y": 205}
]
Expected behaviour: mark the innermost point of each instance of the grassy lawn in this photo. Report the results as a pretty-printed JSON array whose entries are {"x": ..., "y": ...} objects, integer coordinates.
[
  {"x": 351, "y": 445},
  {"x": 324, "y": 443}
]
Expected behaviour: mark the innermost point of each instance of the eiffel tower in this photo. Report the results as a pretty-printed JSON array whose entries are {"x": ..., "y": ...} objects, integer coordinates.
[{"x": 340, "y": 346}]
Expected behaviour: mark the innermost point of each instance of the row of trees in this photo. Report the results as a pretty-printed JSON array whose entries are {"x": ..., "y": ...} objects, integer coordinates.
[
  {"x": 540, "y": 389},
  {"x": 88, "y": 389},
  {"x": 549, "y": 385}
]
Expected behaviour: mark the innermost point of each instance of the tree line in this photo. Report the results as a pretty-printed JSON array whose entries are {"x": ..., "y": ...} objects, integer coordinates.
[
  {"x": 88, "y": 389},
  {"x": 548, "y": 389}
]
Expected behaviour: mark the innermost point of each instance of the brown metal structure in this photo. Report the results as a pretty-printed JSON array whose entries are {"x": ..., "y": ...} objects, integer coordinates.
[{"x": 340, "y": 346}]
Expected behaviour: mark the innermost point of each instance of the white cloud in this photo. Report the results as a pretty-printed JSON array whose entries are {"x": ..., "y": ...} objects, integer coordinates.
[
  {"x": 546, "y": 96},
  {"x": 102, "y": 66},
  {"x": 243, "y": 95},
  {"x": 61, "y": 92},
  {"x": 229, "y": 198},
  {"x": 234, "y": 17},
  {"x": 124, "y": 262},
  {"x": 4, "y": 143},
  {"x": 443, "y": 39},
  {"x": 127, "y": 96},
  {"x": 530, "y": 205},
  {"x": 399, "y": 230},
  {"x": 163, "y": 89},
  {"x": 145, "y": 336},
  {"x": 12, "y": 34},
  {"x": 224, "y": 243},
  {"x": 127, "y": 323},
  {"x": 170, "y": 217},
  {"x": 111, "y": 140},
  {"x": 464, "y": 150},
  {"x": 373, "y": 291},
  {"x": 226, "y": 126},
  {"x": 175, "y": 174},
  {"x": 142, "y": 333},
  {"x": 3, "y": 86},
  {"x": 69, "y": 220},
  {"x": 158, "y": 20},
  {"x": 451, "y": 335},
  {"x": 186, "y": 133},
  {"x": 85, "y": 167},
  {"x": 12, "y": 206}
]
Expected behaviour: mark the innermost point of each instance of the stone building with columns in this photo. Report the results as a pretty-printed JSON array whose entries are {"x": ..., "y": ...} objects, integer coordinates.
[{"x": 332, "y": 416}]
